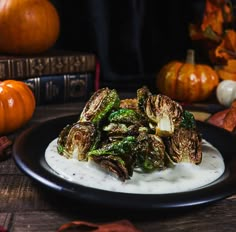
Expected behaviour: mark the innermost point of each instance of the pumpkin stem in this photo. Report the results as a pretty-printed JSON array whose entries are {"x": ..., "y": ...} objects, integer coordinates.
[{"x": 190, "y": 59}]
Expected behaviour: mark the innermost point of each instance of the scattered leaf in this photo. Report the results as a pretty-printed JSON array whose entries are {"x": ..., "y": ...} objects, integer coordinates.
[
  {"x": 118, "y": 226},
  {"x": 213, "y": 17},
  {"x": 227, "y": 47}
]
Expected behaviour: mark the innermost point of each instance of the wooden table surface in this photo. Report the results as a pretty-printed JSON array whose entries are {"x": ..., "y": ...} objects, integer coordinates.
[{"x": 25, "y": 206}]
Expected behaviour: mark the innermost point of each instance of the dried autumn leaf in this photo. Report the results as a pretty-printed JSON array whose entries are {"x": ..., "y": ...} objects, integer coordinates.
[
  {"x": 230, "y": 66},
  {"x": 227, "y": 47},
  {"x": 227, "y": 10},
  {"x": 213, "y": 17},
  {"x": 5, "y": 148},
  {"x": 118, "y": 226},
  {"x": 229, "y": 122},
  {"x": 197, "y": 34},
  {"x": 218, "y": 118},
  {"x": 217, "y": 13},
  {"x": 225, "y": 119}
]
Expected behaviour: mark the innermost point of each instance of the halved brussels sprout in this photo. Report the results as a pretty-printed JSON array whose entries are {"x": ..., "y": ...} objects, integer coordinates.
[
  {"x": 99, "y": 104},
  {"x": 77, "y": 140},
  {"x": 62, "y": 138},
  {"x": 164, "y": 113},
  {"x": 184, "y": 146}
]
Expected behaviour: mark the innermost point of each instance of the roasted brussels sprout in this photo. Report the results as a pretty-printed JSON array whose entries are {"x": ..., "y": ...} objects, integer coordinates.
[
  {"x": 113, "y": 164},
  {"x": 184, "y": 146},
  {"x": 150, "y": 152},
  {"x": 142, "y": 96},
  {"x": 99, "y": 105},
  {"x": 123, "y": 122},
  {"x": 62, "y": 138},
  {"x": 117, "y": 157},
  {"x": 126, "y": 116},
  {"x": 165, "y": 114},
  {"x": 77, "y": 140}
]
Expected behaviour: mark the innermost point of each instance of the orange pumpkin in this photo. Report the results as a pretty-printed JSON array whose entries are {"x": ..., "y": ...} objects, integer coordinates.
[
  {"x": 17, "y": 105},
  {"x": 28, "y": 26},
  {"x": 187, "y": 81}
]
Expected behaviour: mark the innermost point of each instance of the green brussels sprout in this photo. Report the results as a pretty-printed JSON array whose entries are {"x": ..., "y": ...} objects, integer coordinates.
[
  {"x": 150, "y": 152},
  {"x": 117, "y": 157},
  {"x": 99, "y": 105},
  {"x": 127, "y": 116}
]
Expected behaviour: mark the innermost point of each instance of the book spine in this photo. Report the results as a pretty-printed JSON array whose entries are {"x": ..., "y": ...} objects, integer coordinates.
[
  {"x": 23, "y": 68},
  {"x": 62, "y": 88}
]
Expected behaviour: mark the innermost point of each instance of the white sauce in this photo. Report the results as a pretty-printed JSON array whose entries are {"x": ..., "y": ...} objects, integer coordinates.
[{"x": 183, "y": 177}]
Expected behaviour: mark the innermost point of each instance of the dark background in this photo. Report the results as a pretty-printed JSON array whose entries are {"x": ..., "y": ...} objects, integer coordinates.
[{"x": 132, "y": 39}]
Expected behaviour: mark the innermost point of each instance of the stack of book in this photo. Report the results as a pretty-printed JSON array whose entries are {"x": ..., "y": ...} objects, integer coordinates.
[{"x": 54, "y": 77}]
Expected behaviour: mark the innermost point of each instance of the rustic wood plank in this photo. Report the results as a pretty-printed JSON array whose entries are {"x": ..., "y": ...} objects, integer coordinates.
[
  {"x": 8, "y": 167},
  {"x": 210, "y": 218},
  {"x": 5, "y": 219},
  {"x": 17, "y": 193},
  {"x": 37, "y": 221},
  {"x": 48, "y": 112},
  {"x": 216, "y": 217}
]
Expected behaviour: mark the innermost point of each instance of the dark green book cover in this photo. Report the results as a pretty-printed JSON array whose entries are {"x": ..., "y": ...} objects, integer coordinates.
[{"x": 62, "y": 88}]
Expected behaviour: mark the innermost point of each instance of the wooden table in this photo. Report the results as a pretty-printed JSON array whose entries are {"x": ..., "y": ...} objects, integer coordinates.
[{"x": 25, "y": 206}]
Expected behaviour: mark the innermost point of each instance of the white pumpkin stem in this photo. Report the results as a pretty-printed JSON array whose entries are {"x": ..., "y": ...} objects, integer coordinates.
[{"x": 190, "y": 59}]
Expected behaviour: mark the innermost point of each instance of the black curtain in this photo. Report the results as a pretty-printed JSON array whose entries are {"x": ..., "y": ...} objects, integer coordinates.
[{"x": 132, "y": 39}]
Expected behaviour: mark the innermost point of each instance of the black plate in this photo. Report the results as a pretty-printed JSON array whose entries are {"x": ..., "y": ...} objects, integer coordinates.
[{"x": 28, "y": 154}]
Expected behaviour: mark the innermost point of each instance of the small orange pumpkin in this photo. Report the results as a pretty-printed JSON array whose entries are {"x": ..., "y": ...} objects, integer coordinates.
[
  {"x": 28, "y": 26},
  {"x": 17, "y": 105},
  {"x": 187, "y": 81}
]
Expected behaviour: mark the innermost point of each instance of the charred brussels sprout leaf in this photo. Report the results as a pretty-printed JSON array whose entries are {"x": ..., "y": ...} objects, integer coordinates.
[
  {"x": 99, "y": 105},
  {"x": 77, "y": 140}
]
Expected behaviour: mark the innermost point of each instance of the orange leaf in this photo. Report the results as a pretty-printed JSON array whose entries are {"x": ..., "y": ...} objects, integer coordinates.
[
  {"x": 229, "y": 122},
  {"x": 230, "y": 66},
  {"x": 213, "y": 17},
  {"x": 227, "y": 47},
  {"x": 117, "y": 226},
  {"x": 225, "y": 75}
]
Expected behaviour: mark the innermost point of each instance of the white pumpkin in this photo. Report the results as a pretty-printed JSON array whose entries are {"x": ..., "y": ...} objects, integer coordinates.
[{"x": 226, "y": 92}]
